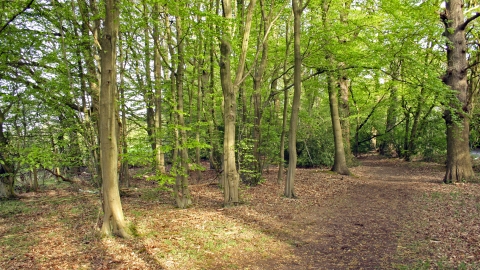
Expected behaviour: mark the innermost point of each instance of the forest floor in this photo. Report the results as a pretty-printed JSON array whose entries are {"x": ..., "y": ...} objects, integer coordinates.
[{"x": 389, "y": 214}]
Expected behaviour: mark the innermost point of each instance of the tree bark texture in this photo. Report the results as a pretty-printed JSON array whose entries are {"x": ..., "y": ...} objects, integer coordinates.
[
  {"x": 344, "y": 110},
  {"x": 459, "y": 164},
  {"x": 181, "y": 190},
  {"x": 297, "y": 90},
  {"x": 340, "y": 163},
  {"x": 6, "y": 169},
  {"x": 230, "y": 174},
  {"x": 157, "y": 71},
  {"x": 113, "y": 219}
]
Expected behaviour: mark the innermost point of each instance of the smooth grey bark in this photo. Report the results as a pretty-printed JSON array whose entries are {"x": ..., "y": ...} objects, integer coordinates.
[
  {"x": 297, "y": 90},
  {"x": 230, "y": 88},
  {"x": 113, "y": 219},
  {"x": 340, "y": 163}
]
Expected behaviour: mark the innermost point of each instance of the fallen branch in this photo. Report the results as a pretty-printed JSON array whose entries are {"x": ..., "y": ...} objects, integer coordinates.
[{"x": 60, "y": 176}]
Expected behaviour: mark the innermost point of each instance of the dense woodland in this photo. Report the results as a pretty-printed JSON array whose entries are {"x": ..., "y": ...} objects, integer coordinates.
[{"x": 98, "y": 87}]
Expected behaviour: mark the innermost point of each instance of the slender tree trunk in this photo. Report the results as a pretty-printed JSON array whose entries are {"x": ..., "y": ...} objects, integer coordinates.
[
  {"x": 410, "y": 151},
  {"x": 93, "y": 79},
  {"x": 157, "y": 71},
  {"x": 344, "y": 110},
  {"x": 35, "y": 179},
  {"x": 406, "y": 113},
  {"x": 124, "y": 175},
  {"x": 181, "y": 190},
  {"x": 281, "y": 162},
  {"x": 459, "y": 164},
  {"x": 257, "y": 96},
  {"x": 113, "y": 219},
  {"x": 340, "y": 164},
  {"x": 387, "y": 146},
  {"x": 297, "y": 86}
]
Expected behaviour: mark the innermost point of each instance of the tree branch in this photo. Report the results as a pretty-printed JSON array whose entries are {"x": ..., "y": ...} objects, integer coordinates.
[
  {"x": 60, "y": 176},
  {"x": 379, "y": 135},
  {"x": 464, "y": 25},
  {"x": 16, "y": 15}
]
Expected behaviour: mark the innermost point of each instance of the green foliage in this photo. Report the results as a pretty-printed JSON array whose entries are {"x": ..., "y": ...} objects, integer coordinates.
[
  {"x": 247, "y": 162},
  {"x": 139, "y": 151},
  {"x": 432, "y": 143},
  {"x": 163, "y": 180}
]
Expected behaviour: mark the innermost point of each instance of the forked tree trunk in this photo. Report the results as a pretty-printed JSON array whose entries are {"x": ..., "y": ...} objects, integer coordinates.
[
  {"x": 459, "y": 164},
  {"x": 113, "y": 219},
  {"x": 230, "y": 174}
]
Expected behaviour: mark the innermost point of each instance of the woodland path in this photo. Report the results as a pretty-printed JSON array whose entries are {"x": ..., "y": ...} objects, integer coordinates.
[
  {"x": 360, "y": 227},
  {"x": 389, "y": 214}
]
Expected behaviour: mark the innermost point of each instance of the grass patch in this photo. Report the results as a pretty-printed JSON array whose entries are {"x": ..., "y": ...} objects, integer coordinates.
[{"x": 14, "y": 207}]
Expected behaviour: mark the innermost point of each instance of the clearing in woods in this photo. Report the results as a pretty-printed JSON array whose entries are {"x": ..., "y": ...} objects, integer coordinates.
[{"x": 389, "y": 214}]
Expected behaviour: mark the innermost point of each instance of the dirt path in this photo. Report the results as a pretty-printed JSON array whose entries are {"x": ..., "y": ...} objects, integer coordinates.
[
  {"x": 388, "y": 214},
  {"x": 359, "y": 229}
]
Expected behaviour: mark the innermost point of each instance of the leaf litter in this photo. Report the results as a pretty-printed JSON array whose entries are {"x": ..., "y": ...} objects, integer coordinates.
[{"x": 388, "y": 214}]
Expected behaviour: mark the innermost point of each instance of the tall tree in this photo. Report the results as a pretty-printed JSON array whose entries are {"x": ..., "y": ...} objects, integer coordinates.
[
  {"x": 459, "y": 164},
  {"x": 230, "y": 89},
  {"x": 340, "y": 163},
  {"x": 182, "y": 193},
  {"x": 297, "y": 6},
  {"x": 113, "y": 219}
]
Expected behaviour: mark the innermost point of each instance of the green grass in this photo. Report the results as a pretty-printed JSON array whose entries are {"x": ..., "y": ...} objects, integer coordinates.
[{"x": 13, "y": 208}]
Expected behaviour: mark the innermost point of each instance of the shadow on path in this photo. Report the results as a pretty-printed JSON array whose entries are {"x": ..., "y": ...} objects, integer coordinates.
[{"x": 360, "y": 228}]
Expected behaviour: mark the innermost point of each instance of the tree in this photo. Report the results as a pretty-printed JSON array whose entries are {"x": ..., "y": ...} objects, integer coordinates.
[
  {"x": 113, "y": 219},
  {"x": 459, "y": 164},
  {"x": 6, "y": 166},
  {"x": 230, "y": 89},
  {"x": 297, "y": 7},
  {"x": 182, "y": 193}
]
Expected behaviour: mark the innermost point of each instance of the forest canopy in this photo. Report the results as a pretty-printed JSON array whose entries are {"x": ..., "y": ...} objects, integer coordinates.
[{"x": 242, "y": 85}]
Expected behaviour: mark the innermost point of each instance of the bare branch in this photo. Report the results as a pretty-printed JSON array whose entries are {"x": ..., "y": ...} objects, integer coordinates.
[
  {"x": 61, "y": 177},
  {"x": 16, "y": 15},
  {"x": 464, "y": 25}
]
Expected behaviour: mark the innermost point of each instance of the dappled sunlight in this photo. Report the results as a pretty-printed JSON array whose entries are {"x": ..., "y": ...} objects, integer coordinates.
[{"x": 372, "y": 218}]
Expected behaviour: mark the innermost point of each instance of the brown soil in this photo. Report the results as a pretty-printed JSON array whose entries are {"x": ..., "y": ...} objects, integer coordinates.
[{"x": 388, "y": 214}]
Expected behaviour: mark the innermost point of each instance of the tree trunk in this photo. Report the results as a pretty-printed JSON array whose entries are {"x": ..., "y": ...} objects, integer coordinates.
[
  {"x": 297, "y": 90},
  {"x": 344, "y": 110},
  {"x": 157, "y": 71},
  {"x": 260, "y": 67},
  {"x": 340, "y": 163},
  {"x": 6, "y": 169},
  {"x": 6, "y": 181},
  {"x": 113, "y": 219},
  {"x": 182, "y": 193},
  {"x": 281, "y": 162},
  {"x": 459, "y": 164},
  {"x": 230, "y": 174},
  {"x": 387, "y": 146}
]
